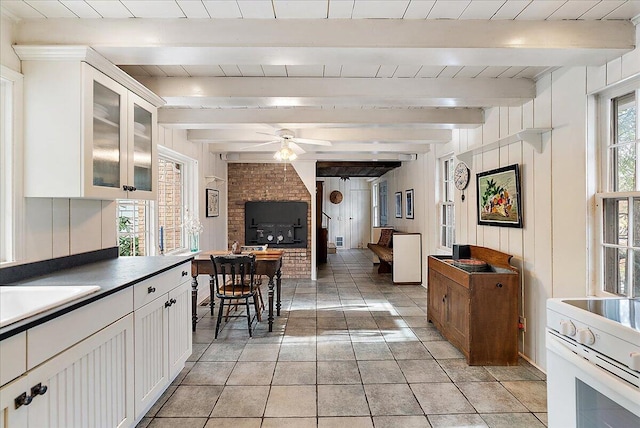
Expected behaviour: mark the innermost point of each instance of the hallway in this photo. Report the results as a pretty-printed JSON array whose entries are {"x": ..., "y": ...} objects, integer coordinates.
[{"x": 350, "y": 350}]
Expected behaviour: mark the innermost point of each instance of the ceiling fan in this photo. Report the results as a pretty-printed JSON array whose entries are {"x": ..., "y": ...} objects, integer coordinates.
[{"x": 289, "y": 144}]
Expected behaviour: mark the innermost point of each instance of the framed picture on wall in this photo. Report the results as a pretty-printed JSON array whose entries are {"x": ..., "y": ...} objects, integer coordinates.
[
  {"x": 409, "y": 202},
  {"x": 499, "y": 202},
  {"x": 213, "y": 203},
  {"x": 398, "y": 204}
]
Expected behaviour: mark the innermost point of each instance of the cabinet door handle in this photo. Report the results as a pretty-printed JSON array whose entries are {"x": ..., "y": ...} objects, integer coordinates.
[
  {"x": 168, "y": 303},
  {"x": 185, "y": 273},
  {"x": 151, "y": 290},
  {"x": 22, "y": 399},
  {"x": 173, "y": 301},
  {"x": 125, "y": 187},
  {"x": 499, "y": 285},
  {"x": 133, "y": 188},
  {"x": 444, "y": 297},
  {"x": 38, "y": 389}
]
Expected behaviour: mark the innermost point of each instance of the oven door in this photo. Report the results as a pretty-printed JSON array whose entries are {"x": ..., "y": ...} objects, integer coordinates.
[{"x": 581, "y": 394}]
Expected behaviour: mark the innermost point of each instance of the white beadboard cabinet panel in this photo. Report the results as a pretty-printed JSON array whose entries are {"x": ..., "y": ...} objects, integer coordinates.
[
  {"x": 39, "y": 230},
  {"x": 152, "y": 368},
  {"x": 109, "y": 227},
  {"x": 180, "y": 345},
  {"x": 10, "y": 417},
  {"x": 569, "y": 197},
  {"x": 61, "y": 227},
  {"x": 86, "y": 225},
  {"x": 614, "y": 71},
  {"x": 90, "y": 384}
]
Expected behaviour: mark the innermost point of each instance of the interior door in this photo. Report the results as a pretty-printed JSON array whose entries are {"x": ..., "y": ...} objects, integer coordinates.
[{"x": 359, "y": 218}]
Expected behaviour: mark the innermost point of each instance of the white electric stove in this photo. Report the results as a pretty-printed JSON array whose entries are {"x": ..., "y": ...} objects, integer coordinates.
[{"x": 593, "y": 362}]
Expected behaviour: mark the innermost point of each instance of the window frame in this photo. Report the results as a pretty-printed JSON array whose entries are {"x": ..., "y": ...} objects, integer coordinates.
[
  {"x": 12, "y": 224},
  {"x": 606, "y": 140},
  {"x": 446, "y": 198},
  {"x": 190, "y": 201}
]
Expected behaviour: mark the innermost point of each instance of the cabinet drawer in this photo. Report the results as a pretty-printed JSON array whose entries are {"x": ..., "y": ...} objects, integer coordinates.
[
  {"x": 50, "y": 338},
  {"x": 13, "y": 357},
  {"x": 150, "y": 289}
]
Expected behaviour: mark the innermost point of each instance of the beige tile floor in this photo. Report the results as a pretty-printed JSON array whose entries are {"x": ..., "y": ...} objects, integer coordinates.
[{"x": 349, "y": 350}]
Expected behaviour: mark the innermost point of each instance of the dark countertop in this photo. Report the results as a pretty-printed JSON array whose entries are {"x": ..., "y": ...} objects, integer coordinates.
[{"x": 111, "y": 275}]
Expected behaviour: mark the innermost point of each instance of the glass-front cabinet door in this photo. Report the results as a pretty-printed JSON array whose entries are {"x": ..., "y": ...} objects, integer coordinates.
[
  {"x": 105, "y": 145},
  {"x": 142, "y": 151}
]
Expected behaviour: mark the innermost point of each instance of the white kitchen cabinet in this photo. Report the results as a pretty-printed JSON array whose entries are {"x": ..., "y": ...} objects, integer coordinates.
[
  {"x": 86, "y": 385},
  {"x": 162, "y": 337},
  {"x": 90, "y": 129}
]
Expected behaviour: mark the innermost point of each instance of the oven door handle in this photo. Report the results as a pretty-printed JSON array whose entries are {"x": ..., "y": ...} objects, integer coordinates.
[{"x": 614, "y": 383}]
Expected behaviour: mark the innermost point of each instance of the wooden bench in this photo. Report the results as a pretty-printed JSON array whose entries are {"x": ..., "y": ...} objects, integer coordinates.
[{"x": 385, "y": 254}]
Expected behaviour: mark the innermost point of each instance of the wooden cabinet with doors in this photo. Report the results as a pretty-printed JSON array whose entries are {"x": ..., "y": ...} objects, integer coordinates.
[
  {"x": 90, "y": 129},
  {"x": 477, "y": 312}
]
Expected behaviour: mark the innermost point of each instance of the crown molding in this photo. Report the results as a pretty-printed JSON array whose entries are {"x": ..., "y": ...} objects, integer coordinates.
[{"x": 91, "y": 57}]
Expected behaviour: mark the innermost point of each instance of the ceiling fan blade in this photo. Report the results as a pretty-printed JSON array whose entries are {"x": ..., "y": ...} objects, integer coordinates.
[
  {"x": 310, "y": 141},
  {"x": 267, "y": 133},
  {"x": 296, "y": 148},
  {"x": 253, "y": 146}
]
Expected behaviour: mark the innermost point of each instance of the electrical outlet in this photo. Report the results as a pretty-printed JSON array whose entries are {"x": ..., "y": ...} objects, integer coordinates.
[{"x": 522, "y": 324}]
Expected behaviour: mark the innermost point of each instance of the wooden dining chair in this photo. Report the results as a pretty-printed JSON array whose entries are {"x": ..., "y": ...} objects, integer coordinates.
[{"x": 234, "y": 281}]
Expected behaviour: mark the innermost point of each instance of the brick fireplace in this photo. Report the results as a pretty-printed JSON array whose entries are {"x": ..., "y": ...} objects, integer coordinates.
[{"x": 268, "y": 182}]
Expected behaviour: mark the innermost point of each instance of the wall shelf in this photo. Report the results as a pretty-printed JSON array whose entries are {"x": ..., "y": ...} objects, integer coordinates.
[
  {"x": 213, "y": 179},
  {"x": 533, "y": 136}
]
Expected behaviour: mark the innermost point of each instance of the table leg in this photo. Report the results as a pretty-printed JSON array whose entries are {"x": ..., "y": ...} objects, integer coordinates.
[
  {"x": 278, "y": 288},
  {"x": 270, "y": 318},
  {"x": 213, "y": 300},
  {"x": 194, "y": 302}
]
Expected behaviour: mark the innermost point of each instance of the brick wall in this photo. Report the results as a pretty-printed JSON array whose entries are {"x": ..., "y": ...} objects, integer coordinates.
[{"x": 269, "y": 182}]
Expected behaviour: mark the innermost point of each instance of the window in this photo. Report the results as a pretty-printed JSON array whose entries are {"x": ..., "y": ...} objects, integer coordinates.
[
  {"x": 11, "y": 201},
  {"x": 446, "y": 208},
  {"x": 138, "y": 234},
  {"x": 133, "y": 228},
  {"x": 375, "y": 206},
  {"x": 382, "y": 199},
  {"x": 620, "y": 197},
  {"x": 171, "y": 204}
]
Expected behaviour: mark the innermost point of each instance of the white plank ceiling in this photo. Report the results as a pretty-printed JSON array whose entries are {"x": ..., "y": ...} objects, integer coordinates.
[{"x": 333, "y": 69}]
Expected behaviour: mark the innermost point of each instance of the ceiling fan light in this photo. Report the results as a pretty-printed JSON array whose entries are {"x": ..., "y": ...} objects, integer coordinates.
[{"x": 285, "y": 154}]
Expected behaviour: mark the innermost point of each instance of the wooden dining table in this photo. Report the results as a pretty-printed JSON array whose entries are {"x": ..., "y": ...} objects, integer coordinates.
[{"x": 268, "y": 263}]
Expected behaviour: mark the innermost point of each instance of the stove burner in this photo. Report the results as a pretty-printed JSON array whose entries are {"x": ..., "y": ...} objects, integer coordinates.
[{"x": 623, "y": 311}]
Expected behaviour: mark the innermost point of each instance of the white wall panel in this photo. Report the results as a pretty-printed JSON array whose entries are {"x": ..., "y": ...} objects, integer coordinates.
[
  {"x": 38, "y": 218},
  {"x": 109, "y": 229},
  {"x": 596, "y": 78},
  {"x": 569, "y": 197},
  {"x": 8, "y": 58},
  {"x": 614, "y": 71},
  {"x": 85, "y": 220},
  {"x": 61, "y": 227}
]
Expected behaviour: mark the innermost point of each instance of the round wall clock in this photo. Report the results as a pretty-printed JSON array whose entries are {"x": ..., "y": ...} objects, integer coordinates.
[
  {"x": 461, "y": 176},
  {"x": 335, "y": 197}
]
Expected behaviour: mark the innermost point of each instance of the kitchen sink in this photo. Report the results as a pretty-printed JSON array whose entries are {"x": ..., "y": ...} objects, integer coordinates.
[{"x": 18, "y": 302}]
